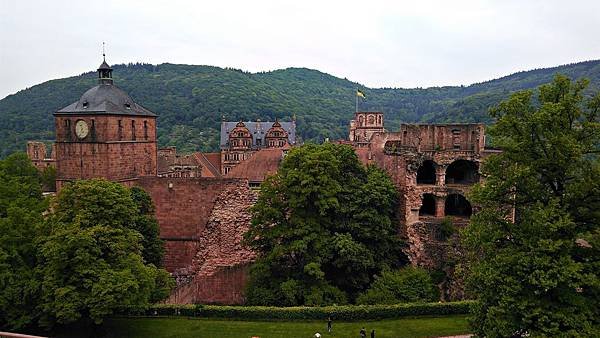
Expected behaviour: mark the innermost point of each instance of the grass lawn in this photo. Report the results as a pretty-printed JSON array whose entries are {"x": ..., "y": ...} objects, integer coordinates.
[{"x": 213, "y": 328}]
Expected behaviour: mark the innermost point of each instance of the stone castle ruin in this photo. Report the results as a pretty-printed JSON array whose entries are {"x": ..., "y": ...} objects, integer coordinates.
[{"x": 202, "y": 199}]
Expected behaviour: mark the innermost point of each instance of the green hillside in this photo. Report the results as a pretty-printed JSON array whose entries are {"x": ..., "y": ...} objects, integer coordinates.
[{"x": 190, "y": 101}]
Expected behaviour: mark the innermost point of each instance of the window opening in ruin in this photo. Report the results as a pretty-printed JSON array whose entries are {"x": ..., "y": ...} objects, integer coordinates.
[
  {"x": 145, "y": 130},
  {"x": 456, "y": 139},
  {"x": 426, "y": 173},
  {"x": 457, "y": 205},
  {"x": 133, "y": 129},
  {"x": 120, "y": 129},
  {"x": 428, "y": 206},
  {"x": 462, "y": 172}
]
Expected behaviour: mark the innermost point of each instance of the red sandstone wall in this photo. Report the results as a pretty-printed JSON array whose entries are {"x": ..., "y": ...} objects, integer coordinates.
[
  {"x": 225, "y": 286},
  {"x": 179, "y": 254},
  {"x": 102, "y": 153},
  {"x": 443, "y": 136},
  {"x": 203, "y": 221},
  {"x": 183, "y": 209},
  {"x": 415, "y": 143}
]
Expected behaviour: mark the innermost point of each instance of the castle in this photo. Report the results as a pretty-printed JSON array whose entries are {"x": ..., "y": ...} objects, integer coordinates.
[{"x": 202, "y": 199}]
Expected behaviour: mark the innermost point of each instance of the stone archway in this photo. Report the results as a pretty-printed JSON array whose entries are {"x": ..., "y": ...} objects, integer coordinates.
[
  {"x": 457, "y": 205},
  {"x": 462, "y": 172}
]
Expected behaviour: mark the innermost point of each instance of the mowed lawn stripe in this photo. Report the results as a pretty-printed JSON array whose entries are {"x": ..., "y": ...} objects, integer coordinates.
[{"x": 211, "y": 328}]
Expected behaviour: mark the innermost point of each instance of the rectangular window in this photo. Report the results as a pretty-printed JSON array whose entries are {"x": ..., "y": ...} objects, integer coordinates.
[
  {"x": 120, "y": 130},
  {"x": 145, "y": 130},
  {"x": 133, "y": 129},
  {"x": 68, "y": 128}
]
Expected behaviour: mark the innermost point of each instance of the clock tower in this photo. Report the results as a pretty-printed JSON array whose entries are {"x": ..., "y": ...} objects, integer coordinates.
[{"x": 105, "y": 134}]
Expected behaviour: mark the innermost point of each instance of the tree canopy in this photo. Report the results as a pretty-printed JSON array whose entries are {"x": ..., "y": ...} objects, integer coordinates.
[
  {"x": 538, "y": 275},
  {"x": 323, "y": 226},
  {"x": 191, "y": 100},
  {"x": 83, "y": 259},
  {"x": 21, "y": 207}
]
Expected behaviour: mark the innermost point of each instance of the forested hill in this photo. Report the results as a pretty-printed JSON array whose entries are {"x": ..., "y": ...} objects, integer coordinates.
[{"x": 190, "y": 101}]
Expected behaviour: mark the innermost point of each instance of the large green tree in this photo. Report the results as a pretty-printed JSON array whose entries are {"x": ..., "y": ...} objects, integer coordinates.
[
  {"x": 323, "y": 226},
  {"x": 538, "y": 275},
  {"x": 91, "y": 257},
  {"x": 21, "y": 207},
  {"x": 94, "y": 250}
]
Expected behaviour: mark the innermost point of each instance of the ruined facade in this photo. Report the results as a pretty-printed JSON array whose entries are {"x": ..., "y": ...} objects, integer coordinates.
[
  {"x": 38, "y": 154},
  {"x": 363, "y": 126},
  {"x": 433, "y": 166}
]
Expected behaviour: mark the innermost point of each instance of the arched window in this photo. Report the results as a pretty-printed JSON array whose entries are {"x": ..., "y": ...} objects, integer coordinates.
[
  {"x": 427, "y": 206},
  {"x": 462, "y": 172},
  {"x": 457, "y": 205},
  {"x": 426, "y": 173}
]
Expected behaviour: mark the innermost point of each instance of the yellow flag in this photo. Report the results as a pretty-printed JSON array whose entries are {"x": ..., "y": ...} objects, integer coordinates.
[{"x": 359, "y": 93}]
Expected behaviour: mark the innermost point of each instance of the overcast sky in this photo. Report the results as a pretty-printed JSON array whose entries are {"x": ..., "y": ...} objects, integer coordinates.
[{"x": 377, "y": 43}]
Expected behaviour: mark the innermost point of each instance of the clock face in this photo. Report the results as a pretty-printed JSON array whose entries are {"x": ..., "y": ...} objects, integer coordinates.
[{"x": 81, "y": 129}]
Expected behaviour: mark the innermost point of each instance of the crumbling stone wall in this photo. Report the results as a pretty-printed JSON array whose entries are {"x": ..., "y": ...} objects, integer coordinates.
[
  {"x": 38, "y": 154},
  {"x": 401, "y": 154},
  {"x": 218, "y": 272},
  {"x": 202, "y": 221},
  {"x": 183, "y": 208}
]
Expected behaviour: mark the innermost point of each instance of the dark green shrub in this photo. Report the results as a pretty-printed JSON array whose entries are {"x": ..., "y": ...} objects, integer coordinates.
[
  {"x": 409, "y": 284},
  {"x": 446, "y": 228},
  {"x": 344, "y": 312}
]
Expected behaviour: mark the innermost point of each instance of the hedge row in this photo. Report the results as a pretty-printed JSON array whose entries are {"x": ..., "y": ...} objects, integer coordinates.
[{"x": 346, "y": 312}]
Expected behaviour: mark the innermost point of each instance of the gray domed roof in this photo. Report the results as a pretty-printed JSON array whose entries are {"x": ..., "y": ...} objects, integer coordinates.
[{"x": 107, "y": 99}]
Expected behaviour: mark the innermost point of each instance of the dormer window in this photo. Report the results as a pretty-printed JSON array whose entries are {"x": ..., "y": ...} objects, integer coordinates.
[
  {"x": 127, "y": 106},
  {"x": 85, "y": 105}
]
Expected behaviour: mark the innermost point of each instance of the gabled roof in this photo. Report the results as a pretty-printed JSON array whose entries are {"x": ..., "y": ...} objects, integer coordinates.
[
  {"x": 210, "y": 162},
  {"x": 258, "y": 130},
  {"x": 261, "y": 164}
]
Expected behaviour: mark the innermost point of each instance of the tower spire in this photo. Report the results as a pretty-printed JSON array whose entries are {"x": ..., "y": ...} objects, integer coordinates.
[{"x": 104, "y": 71}]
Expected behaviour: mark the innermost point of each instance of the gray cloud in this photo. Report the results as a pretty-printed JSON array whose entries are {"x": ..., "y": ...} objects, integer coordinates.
[{"x": 378, "y": 43}]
